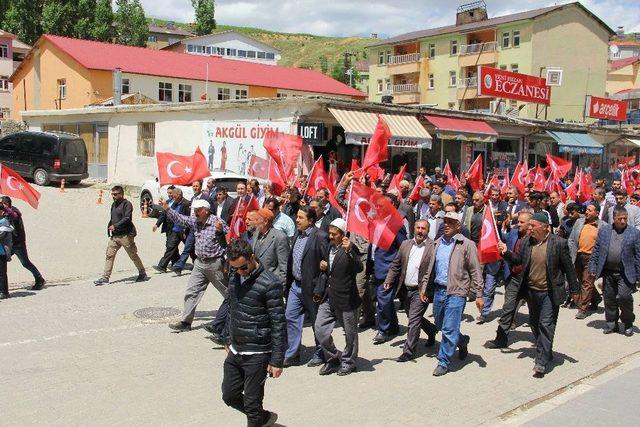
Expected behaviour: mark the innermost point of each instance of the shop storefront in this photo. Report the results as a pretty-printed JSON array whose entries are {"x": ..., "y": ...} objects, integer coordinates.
[
  {"x": 624, "y": 151},
  {"x": 583, "y": 151}
]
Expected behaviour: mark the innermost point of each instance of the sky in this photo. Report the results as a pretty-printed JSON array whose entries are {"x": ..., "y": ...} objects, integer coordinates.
[{"x": 387, "y": 18}]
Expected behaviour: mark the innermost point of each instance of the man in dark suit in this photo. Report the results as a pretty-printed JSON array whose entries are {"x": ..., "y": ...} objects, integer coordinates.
[
  {"x": 329, "y": 211},
  {"x": 339, "y": 300},
  {"x": 270, "y": 246},
  {"x": 174, "y": 233},
  {"x": 321, "y": 206},
  {"x": 616, "y": 258},
  {"x": 222, "y": 204},
  {"x": 310, "y": 246},
  {"x": 599, "y": 195},
  {"x": 406, "y": 270},
  {"x": 546, "y": 263}
]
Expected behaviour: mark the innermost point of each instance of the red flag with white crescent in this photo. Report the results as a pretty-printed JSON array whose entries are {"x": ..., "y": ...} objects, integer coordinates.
[
  {"x": 238, "y": 223},
  {"x": 333, "y": 178},
  {"x": 395, "y": 181},
  {"x": 13, "y": 185},
  {"x": 259, "y": 167},
  {"x": 181, "y": 170},
  {"x": 377, "y": 151},
  {"x": 559, "y": 166},
  {"x": 317, "y": 178},
  {"x": 372, "y": 216},
  {"x": 538, "y": 179},
  {"x": 475, "y": 175},
  {"x": 415, "y": 193},
  {"x": 284, "y": 149},
  {"x": 278, "y": 183},
  {"x": 488, "y": 250},
  {"x": 452, "y": 180}
]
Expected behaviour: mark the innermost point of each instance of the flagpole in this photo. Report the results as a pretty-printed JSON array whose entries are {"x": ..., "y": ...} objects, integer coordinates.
[
  {"x": 349, "y": 204},
  {"x": 495, "y": 229}
]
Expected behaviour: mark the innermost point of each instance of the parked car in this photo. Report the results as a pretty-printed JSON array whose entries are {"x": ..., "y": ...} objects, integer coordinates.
[
  {"x": 45, "y": 156},
  {"x": 151, "y": 190}
]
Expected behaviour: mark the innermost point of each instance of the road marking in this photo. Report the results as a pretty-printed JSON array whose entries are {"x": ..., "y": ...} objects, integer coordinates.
[{"x": 71, "y": 334}]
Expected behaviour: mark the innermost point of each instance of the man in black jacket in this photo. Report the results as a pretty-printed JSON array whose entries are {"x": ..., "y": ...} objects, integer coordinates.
[
  {"x": 256, "y": 341},
  {"x": 339, "y": 300},
  {"x": 222, "y": 204},
  {"x": 121, "y": 233},
  {"x": 175, "y": 233}
]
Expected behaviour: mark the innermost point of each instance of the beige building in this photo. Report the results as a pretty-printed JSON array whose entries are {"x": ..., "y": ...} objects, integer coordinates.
[
  {"x": 164, "y": 35},
  {"x": 439, "y": 66},
  {"x": 12, "y": 53}
]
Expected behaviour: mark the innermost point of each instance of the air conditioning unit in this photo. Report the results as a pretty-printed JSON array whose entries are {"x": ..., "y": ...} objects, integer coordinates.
[{"x": 497, "y": 107}]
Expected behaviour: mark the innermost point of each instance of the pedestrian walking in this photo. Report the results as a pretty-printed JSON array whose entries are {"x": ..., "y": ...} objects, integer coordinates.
[
  {"x": 189, "y": 243},
  {"x": 174, "y": 232},
  {"x": 122, "y": 233},
  {"x": 256, "y": 342},
  {"x": 6, "y": 239}
]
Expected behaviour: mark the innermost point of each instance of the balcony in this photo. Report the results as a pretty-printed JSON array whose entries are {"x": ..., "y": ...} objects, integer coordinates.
[
  {"x": 405, "y": 88},
  {"x": 478, "y": 54},
  {"x": 408, "y": 93},
  {"x": 468, "y": 82},
  {"x": 404, "y": 64}
]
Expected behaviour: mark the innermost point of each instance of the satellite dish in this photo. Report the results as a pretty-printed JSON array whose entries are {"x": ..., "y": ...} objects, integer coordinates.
[{"x": 613, "y": 49}]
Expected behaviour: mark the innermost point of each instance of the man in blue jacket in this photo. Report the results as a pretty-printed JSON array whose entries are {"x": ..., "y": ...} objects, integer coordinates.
[{"x": 616, "y": 258}]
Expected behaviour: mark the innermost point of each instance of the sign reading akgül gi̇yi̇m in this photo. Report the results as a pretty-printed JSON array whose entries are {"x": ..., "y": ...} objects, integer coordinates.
[
  {"x": 608, "y": 109},
  {"x": 505, "y": 84}
]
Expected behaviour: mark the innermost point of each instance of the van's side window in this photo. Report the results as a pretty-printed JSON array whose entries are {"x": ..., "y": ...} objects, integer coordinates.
[{"x": 8, "y": 144}]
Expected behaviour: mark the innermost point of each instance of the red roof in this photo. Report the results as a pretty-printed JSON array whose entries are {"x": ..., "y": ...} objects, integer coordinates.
[
  {"x": 461, "y": 125},
  {"x": 624, "y": 43},
  {"x": 137, "y": 60},
  {"x": 620, "y": 63}
]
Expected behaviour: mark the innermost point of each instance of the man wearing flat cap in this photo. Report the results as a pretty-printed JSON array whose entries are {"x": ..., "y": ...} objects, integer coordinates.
[{"x": 546, "y": 262}]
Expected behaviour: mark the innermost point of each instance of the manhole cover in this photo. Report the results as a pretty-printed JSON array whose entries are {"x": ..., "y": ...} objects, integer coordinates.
[{"x": 157, "y": 313}]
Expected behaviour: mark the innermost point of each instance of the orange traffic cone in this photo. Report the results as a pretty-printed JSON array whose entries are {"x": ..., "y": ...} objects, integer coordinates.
[
  {"x": 99, "y": 202},
  {"x": 62, "y": 185},
  {"x": 145, "y": 209}
]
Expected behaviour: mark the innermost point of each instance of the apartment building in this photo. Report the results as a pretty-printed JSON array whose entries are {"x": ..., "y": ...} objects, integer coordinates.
[
  {"x": 161, "y": 36},
  {"x": 228, "y": 44},
  {"x": 12, "y": 52},
  {"x": 438, "y": 66}
]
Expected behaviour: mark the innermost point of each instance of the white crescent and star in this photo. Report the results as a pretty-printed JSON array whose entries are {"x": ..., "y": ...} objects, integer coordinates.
[
  {"x": 319, "y": 182},
  {"x": 487, "y": 227},
  {"x": 170, "y": 172},
  {"x": 9, "y": 178},
  {"x": 360, "y": 214},
  {"x": 237, "y": 226}
]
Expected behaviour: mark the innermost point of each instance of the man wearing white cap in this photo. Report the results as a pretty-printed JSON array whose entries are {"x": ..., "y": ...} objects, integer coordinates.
[
  {"x": 337, "y": 293},
  {"x": 209, "y": 231}
]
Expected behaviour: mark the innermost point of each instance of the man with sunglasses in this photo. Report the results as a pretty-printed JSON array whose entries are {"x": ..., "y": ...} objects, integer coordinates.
[
  {"x": 256, "y": 342},
  {"x": 121, "y": 232}
]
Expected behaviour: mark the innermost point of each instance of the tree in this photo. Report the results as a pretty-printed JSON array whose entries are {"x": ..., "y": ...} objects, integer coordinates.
[
  {"x": 20, "y": 21},
  {"x": 205, "y": 16},
  {"x": 130, "y": 23},
  {"x": 338, "y": 72},
  {"x": 324, "y": 64},
  {"x": 85, "y": 21},
  {"x": 59, "y": 17},
  {"x": 103, "y": 21}
]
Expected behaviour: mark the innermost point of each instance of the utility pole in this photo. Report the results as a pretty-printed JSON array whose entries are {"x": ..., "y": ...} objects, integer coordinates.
[{"x": 347, "y": 66}]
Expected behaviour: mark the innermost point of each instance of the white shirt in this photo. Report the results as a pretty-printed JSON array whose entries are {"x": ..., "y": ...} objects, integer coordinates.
[
  {"x": 433, "y": 223},
  {"x": 219, "y": 209},
  {"x": 412, "y": 276}
]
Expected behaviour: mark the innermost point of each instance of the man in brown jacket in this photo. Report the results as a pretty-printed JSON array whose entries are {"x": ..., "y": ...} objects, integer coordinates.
[
  {"x": 453, "y": 273},
  {"x": 408, "y": 267}
]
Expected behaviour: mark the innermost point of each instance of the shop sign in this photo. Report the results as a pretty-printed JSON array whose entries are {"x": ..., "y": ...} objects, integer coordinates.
[
  {"x": 579, "y": 150},
  {"x": 394, "y": 141},
  {"x": 607, "y": 109},
  {"x": 505, "y": 84},
  {"x": 311, "y": 133}
]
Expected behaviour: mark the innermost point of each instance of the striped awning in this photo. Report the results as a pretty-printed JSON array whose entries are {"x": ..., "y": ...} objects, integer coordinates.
[
  {"x": 634, "y": 141},
  {"x": 576, "y": 143},
  {"x": 406, "y": 130}
]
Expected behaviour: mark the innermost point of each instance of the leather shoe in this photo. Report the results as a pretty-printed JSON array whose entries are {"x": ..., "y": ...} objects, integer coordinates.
[
  {"x": 581, "y": 315},
  {"x": 481, "y": 320},
  {"x": 539, "y": 371},
  {"x": 628, "y": 331},
  {"x": 39, "y": 284},
  {"x": 609, "y": 330},
  {"x": 440, "y": 371},
  {"x": 346, "y": 370},
  {"x": 291, "y": 361},
  {"x": 330, "y": 368},
  {"x": 404, "y": 357},
  {"x": 180, "y": 326},
  {"x": 380, "y": 338},
  {"x": 367, "y": 325},
  {"x": 463, "y": 347},
  {"x": 269, "y": 419},
  {"x": 315, "y": 361},
  {"x": 101, "y": 281},
  {"x": 142, "y": 277},
  {"x": 4, "y": 295},
  {"x": 160, "y": 269},
  {"x": 496, "y": 344}
]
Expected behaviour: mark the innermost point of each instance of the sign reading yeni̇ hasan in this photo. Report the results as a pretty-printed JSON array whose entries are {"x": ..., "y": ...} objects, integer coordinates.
[
  {"x": 608, "y": 109},
  {"x": 505, "y": 84}
]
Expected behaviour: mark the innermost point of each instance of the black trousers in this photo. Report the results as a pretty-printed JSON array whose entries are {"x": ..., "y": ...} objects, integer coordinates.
[
  {"x": 543, "y": 317},
  {"x": 243, "y": 385},
  {"x": 172, "y": 252},
  {"x": 512, "y": 295},
  {"x": 4, "y": 280},
  {"x": 415, "y": 310},
  {"x": 21, "y": 252},
  {"x": 221, "y": 321},
  {"x": 618, "y": 299}
]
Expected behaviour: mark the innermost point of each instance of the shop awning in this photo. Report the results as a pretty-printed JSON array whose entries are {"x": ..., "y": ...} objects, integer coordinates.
[
  {"x": 576, "y": 143},
  {"x": 634, "y": 141},
  {"x": 462, "y": 129},
  {"x": 406, "y": 130}
]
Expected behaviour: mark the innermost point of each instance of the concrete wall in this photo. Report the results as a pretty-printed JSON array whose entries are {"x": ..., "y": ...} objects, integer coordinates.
[
  {"x": 624, "y": 78},
  {"x": 440, "y": 66},
  {"x": 6, "y": 69}
]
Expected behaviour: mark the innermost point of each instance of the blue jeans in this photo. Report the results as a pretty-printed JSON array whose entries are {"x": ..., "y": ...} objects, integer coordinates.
[
  {"x": 189, "y": 245},
  {"x": 386, "y": 310},
  {"x": 297, "y": 306},
  {"x": 490, "y": 283},
  {"x": 448, "y": 309}
]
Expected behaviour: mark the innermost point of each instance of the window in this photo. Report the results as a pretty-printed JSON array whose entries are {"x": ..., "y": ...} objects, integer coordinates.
[
  {"x": 241, "y": 94},
  {"x": 199, "y": 49},
  {"x": 281, "y": 95},
  {"x": 271, "y": 56},
  {"x": 503, "y": 67},
  {"x": 190, "y": 48},
  {"x": 165, "y": 92},
  {"x": 251, "y": 54},
  {"x": 4, "y": 50},
  {"x": 220, "y": 51},
  {"x": 208, "y": 50},
  {"x": 380, "y": 87},
  {"x": 262, "y": 55},
  {"x": 152, "y": 38},
  {"x": 506, "y": 37},
  {"x": 224, "y": 94},
  {"x": 514, "y": 68},
  {"x": 453, "y": 78},
  {"x": 231, "y": 52},
  {"x": 146, "y": 139},
  {"x": 4, "y": 83},
  {"x": 184, "y": 93},
  {"x": 513, "y": 103},
  {"x": 125, "y": 89},
  {"x": 432, "y": 82},
  {"x": 432, "y": 50},
  {"x": 516, "y": 38},
  {"x": 62, "y": 88},
  {"x": 387, "y": 84},
  {"x": 388, "y": 57},
  {"x": 381, "y": 57},
  {"x": 4, "y": 113},
  {"x": 453, "y": 47}
]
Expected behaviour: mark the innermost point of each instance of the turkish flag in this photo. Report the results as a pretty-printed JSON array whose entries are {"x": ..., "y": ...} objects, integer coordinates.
[
  {"x": 559, "y": 167},
  {"x": 278, "y": 183},
  {"x": 415, "y": 193},
  {"x": 538, "y": 179},
  {"x": 488, "y": 245},
  {"x": 259, "y": 167},
  {"x": 505, "y": 185},
  {"x": 181, "y": 170},
  {"x": 372, "y": 216},
  {"x": 13, "y": 185},
  {"x": 517, "y": 179},
  {"x": 395, "y": 181},
  {"x": 626, "y": 181},
  {"x": 317, "y": 178},
  {"x": 333, "y": 178},
  {"x": 572, "y": 190},
  {"x": 585, "y": 187},
  {"x": 355, "y": 168},
  {"x": 239, "y": 218},
  {"x": 494, "y": 182},
  {"x": 285, "y": 150},
  {"x": 377, "y": 151},
  {"x": 475, "y": 176},
  {"x": 452, "y": 180}
]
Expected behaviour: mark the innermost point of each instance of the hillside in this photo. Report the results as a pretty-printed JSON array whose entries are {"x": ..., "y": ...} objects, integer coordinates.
[{"x": 300, "y": 50}]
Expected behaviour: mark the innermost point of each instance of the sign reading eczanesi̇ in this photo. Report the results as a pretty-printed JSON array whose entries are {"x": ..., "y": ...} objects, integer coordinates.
[
  {"x": 505, "y": 84},
  {"x": 608, "y": 109}
]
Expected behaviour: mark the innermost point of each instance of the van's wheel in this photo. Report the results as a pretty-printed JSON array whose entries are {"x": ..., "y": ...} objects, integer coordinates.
[{"x": 41, "y": 177}]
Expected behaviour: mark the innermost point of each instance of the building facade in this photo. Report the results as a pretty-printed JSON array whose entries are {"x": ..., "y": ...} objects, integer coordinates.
[
  {"x": 228, "y": 44},
  {"x": 161, "y": 36},
  {"x": 12, "y": 52},
  {"x": 439, "y": 66},
  {"x": 623, "y": 49}
]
